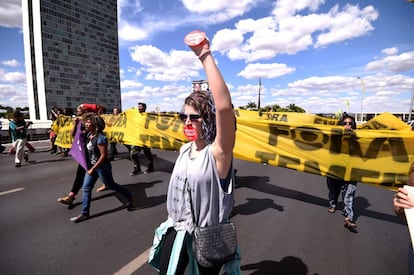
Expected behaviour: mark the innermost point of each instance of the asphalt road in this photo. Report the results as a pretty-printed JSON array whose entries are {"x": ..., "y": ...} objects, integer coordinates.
[{"x": 281, "y": 215}]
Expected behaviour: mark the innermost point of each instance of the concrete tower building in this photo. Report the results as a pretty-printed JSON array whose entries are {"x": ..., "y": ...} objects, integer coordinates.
[{"x": 71, "y": 54}]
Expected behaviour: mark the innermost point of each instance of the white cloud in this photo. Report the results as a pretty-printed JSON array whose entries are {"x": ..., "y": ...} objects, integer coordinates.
[
  {"x": 252, "y": 25},
  {"x": 11, "y": 63},
  {"x": 390, "y": 51},
  {"x": 128, "y": 32},
  {"x": 349, "y": 23},
  {"x": 11, "y": 14},
  {"x": 128, "y": 84},
  {"x": 14, "y": 77},
  {"x": 223, "y": 9},
  {"x": 323, "y": 83},
  {"x": 289, "y": 32},
  {"x": 173, "y": 66},
  {"x": 226, "y": 39},
  {"x": 287, "y": 8},
  {"x": 326, "y": 94},
  {"x": 165, "y": 97},
  {"x": 274, "y": 70},
  {"x": 132, "y": 6},
  {"x": 136, "y": 24},
  {"x": 394, "y": 63},
  {"x": 13, "y": 95},
  {"x": 149, "y": 55},
  {"x": 246, "y": 93}
]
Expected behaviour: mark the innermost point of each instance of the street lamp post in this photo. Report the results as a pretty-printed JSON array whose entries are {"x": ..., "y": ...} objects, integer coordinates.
[
  {"x": 258, "y": 99},
  {"x": 362, "y": 98}
]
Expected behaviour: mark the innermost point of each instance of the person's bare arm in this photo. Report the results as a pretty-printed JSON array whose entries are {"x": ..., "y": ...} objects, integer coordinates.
[{"x": 225, "y": 135}]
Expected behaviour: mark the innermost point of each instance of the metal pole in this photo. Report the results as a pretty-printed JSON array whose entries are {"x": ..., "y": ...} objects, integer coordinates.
[
  {"x": 411, "y": 104},
  {"x": 258, "y": 100},
  {"x": 362, "y": 98}
]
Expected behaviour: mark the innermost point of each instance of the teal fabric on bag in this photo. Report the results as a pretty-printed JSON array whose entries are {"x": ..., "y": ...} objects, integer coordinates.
[
  {"x": 157, "y": 244},
  {"x": 231, "y": 268}
]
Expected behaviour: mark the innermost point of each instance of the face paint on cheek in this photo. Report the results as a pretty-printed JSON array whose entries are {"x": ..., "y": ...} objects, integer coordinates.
[{"x": 190, "y": 132}]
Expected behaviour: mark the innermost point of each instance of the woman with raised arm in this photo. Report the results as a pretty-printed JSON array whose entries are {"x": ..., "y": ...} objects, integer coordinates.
[{"x": 203, "y": 169}]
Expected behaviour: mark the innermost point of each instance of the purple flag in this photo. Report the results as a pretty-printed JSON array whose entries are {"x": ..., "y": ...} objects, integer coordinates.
[{"x": 78, "y": 147}]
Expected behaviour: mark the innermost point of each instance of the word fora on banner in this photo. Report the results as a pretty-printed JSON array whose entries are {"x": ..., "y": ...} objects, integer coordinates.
[{"x": 328, "y": 151}]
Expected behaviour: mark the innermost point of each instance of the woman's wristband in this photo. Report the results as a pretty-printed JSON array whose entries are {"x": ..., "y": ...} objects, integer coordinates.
[{"x": 203, "y": 54}]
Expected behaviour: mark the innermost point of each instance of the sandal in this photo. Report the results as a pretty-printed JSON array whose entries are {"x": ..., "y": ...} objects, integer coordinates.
[
  {"x": 331, "y": 209},
  {"x": 68, "y": 199},
  {"x": 349, "y": 224}
]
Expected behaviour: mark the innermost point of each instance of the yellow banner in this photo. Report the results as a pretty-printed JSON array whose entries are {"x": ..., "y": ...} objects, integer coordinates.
[{"x": 380, "y": 152}]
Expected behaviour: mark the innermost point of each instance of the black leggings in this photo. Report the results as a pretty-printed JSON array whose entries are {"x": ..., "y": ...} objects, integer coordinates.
[
  {"x": 183, "y": 260},
  {"x": 78, "y": 182}
]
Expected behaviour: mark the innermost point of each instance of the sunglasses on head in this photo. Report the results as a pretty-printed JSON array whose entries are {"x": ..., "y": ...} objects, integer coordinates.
[
  {"x": 348, "y": 123},
  {"x": 192, "y": 117}
]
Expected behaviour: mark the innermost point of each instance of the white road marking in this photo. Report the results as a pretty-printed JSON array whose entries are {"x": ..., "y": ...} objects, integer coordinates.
[
  {"x": 11, "y": 191},
  {"x": 135, "y": 264}
]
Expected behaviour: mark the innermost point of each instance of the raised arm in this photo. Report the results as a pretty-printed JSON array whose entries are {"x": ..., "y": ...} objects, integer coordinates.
[{"x": 225, "y": 126}]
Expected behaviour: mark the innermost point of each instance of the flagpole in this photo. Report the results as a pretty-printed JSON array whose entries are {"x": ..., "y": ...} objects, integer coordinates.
[{"x": 362, "y": 98}]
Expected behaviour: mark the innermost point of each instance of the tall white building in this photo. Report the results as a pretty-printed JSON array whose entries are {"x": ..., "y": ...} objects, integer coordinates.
[{"x": 71, "y": 54}]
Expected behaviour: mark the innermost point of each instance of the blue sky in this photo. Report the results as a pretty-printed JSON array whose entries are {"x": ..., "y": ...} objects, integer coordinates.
[{"x": 309, "y": 53}]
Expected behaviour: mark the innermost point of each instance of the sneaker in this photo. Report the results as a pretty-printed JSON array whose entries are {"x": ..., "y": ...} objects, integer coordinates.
[
  {"x": 136, "y": 171},
  {"x": 102, "y": 188},
  {"x": 149, "y": 170},
  {"x": 68, "y": 199},
  {"x": 79, "y": 218},
  {"x": 18, "y": 165}
]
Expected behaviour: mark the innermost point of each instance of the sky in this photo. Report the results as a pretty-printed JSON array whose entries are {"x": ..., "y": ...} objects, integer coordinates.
[{"x": 324, "y": 56}]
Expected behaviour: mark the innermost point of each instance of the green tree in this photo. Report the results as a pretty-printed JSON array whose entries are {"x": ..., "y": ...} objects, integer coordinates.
[
  {"x": 249, "y": 106},
  {"x": 273, "y": 108},
  {"x": 294, "y": 108}
]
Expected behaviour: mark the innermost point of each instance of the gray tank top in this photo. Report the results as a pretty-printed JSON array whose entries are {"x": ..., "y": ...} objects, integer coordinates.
[{"x": 212, "y": 205}]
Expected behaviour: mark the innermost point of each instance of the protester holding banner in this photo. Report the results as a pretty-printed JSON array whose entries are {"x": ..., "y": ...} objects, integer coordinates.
[
  {"x": 134, "y": 152},
  {"x": 204, "y": 169},
  {"x": 79, "y": 134},
  {"x": 111, "y": 152},
  {"x": 98, "y": 165},
  {"x": 348, "y": 188},
  {"x": 79, "y": 131}
]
